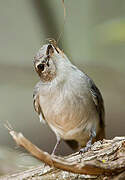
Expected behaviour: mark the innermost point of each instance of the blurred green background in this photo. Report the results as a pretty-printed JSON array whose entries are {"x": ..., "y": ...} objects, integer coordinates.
[{"x": 93, "y": 39}]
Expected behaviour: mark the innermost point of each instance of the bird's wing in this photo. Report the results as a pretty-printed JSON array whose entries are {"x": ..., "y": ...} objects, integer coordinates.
[
  {"x": 37, "y": 105},
  {"x": 98, "y": 100}
]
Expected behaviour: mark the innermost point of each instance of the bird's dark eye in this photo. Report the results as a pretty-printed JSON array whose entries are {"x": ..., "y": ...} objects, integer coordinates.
[{"x": 41, "y": 67}]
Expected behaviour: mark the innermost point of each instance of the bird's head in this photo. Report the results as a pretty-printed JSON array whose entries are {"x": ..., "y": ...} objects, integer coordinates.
[
  {"x": 44, "y": 63},
  {"x": 50, "y": 62}
]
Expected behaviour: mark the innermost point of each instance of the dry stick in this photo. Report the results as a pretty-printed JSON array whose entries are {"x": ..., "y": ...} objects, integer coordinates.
[
  {"x": 63, "y": 22},
  {"x": 64, "y": 9},
  {"x": 90, "y": 167}
]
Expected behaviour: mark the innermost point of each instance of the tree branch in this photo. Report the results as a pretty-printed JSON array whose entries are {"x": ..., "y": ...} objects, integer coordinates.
[{"x": 106, "y": 158}]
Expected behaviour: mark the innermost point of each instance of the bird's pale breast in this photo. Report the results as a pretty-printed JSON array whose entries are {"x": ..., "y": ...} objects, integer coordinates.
[{"x": 69, "y": 114}]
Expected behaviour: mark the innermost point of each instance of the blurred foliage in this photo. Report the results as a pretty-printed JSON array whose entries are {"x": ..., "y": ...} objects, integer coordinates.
[{"x": 111, "y": 32}]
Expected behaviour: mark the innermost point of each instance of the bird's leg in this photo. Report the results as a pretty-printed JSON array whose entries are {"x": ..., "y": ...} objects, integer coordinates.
[
  {"x": 57, "y": 143},
  {"x": 55, "y": 147},
  {"x": 89, "y": 143}
]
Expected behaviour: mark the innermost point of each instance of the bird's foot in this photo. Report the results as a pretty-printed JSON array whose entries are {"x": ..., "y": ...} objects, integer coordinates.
[
  {"x": 88, "y": 147},
  {"x": 89, "y": 143}
]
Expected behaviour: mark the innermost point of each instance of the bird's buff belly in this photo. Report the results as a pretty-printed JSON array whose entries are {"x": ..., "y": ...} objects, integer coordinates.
[
  {"x": 71, "y": 120},
  {"x": 80, "y": 133},
  {"x": 68, "y": 124}
]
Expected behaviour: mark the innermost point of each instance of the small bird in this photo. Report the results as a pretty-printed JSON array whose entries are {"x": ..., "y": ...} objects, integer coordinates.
[{"x": 67, "y": 99}]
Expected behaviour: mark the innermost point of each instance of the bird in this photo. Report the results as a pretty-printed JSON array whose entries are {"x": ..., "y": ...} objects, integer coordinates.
[{"x": 67, "y": 99}]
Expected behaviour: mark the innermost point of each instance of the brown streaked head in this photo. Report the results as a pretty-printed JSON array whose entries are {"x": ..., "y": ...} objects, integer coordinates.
[{"x": 43, "y": 63}]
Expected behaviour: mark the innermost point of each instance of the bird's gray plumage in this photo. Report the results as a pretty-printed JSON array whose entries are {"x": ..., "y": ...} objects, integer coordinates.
[
  {"x": 98, "y": 100},
  {"x": 66, "y": 98},
  {"x": 36, "y": 104}
]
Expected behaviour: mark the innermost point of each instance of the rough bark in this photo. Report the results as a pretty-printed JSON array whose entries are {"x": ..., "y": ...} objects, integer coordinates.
[{"x": 105, "y": 160}]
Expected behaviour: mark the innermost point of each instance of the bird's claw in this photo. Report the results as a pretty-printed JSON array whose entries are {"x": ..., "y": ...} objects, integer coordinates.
[{"x": 85, "y": 149}]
